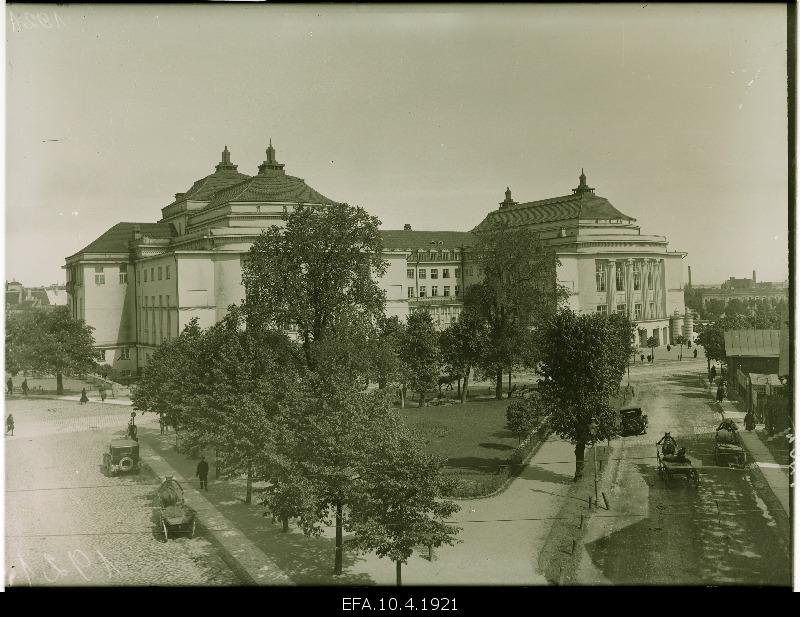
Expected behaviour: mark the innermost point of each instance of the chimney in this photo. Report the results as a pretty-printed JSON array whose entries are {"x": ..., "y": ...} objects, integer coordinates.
[
  {"x": 407, "y": 227},
  {"x": 690, "y": 277},
  {"x": 754, "y": 276},
  {"x": 137, "y": 232}
]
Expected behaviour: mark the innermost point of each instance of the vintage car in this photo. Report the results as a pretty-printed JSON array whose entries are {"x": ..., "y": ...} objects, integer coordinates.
[
  {"x": 122, "y": 457},
  {"x": 632, "y": 421}
]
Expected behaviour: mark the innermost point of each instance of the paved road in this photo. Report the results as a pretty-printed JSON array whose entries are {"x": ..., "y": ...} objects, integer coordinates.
[
  {"x": 728, "y": 530},
  {"x": 69, "y": 524}
]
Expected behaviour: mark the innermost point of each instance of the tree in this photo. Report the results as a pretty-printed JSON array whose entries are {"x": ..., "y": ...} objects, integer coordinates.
[
  {"x": 680, "y": 340},
  {"x": 385, "y": 343},
  {"x": 736, "y": 307},
  {"x": 402, "y": 505},
  {"x": 583, "y": 359},
  {"x": 521, "y": 418},
  {"x": 518, "y": 290},
  {"x": 419, "y": 354},
  {"x": 461, "y": 345},
  {"x": 50, "y": 341},
  {"x": 324, "y": 262},
  {"x": 652, "y": 343},
  {"x": 169, "y": 380},
  {"x": 713, "y": 308}
]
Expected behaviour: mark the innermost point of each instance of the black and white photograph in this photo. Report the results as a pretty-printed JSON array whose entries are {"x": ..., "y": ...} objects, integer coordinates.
[{"x": 410, "y": 296}]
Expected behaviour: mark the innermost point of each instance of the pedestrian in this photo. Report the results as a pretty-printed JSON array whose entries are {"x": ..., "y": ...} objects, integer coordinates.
[
  {"x": 84, "y": 398},
  {"x": 102, "y": 391},
  {"x": 713, "y": 373},
  {"x": 749, "y": 421},
  {"x": 719, "y": 393},
  {"x": 695, "y": 352},
  {"x": 202, "y": 473},
  {"x": 10, "y": 424},
  {"x": 25, "y": 387},
  {"x": 642, "y": 356},
  {"x": 669, "y": 348},
  {"x": 10, "y": 386}
]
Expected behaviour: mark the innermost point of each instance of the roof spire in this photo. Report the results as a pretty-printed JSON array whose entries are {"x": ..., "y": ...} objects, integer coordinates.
[
  {"x": 271, "y": 163},
  {"x": 508, "y": 201},
  {"x": 225, "y": 164},
  {"x": 582, "y": 186}
]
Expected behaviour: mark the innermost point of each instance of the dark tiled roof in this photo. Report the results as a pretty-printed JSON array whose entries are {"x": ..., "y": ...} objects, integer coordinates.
[
  {"x": 270, "y": 186},
  {"x": 406, "y": 239},
  {"x": 116, "y": 239},
  {"x": 755, "y": 343},
  {"x": 568, "y": 207},
  {"x": 204, "y": 189}
]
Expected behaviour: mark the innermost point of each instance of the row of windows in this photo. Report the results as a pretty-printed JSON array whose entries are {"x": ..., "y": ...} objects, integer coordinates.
[
  {"x": 159, "y": 270},
  {"x": 434, "y": 291},
  {"x": 434, "y": 273},
  {"x": 435, "y": 255},
  {"x": 600, "y": 276},
  {"x": 623, "y": 309},
  {"x": 100, "y": 275}
]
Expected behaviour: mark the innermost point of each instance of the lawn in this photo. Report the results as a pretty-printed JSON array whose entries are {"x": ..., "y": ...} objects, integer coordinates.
[{"x": 473, "y": 436}]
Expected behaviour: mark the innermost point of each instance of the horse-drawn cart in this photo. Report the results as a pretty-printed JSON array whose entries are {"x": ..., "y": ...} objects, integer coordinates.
[
  {"x": 728, "y": 448},
  {"x": 176, "y": 517},
  {"x": 672, "y": 461}
]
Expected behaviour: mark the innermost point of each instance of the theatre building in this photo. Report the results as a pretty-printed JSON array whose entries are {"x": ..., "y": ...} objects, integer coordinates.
[{"x": 139, "y": 284}]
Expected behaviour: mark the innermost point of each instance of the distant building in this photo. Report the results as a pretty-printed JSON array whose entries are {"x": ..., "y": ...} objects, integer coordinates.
[
  {"x": 20, "y": 298},
  {"x": 744, "y": 289},
  {"x": 138, "y": 284}
]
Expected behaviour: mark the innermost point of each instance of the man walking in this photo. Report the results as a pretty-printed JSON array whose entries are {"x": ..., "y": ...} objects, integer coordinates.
[
  {"x": 10, "y": 424},
  {"x": 25, "y": 387},
  {"x": 202, "y": 473},
  {"x": 10, "y": 386}
]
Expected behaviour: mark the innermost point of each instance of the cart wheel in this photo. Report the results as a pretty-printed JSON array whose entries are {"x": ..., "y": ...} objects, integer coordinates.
[{"x": 164, "y": 525}]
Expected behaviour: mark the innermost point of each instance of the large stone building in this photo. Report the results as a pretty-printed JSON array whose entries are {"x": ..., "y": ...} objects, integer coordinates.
[{"x": 138, "y": 284}]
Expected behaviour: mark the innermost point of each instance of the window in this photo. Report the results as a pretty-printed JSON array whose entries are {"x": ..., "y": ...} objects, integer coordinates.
[
  {"x": 145, "y": 275},
  {"x": 470, "y": 271},
  {"x": 650, "y": 280},
  {"x": 445, "y": 255},
  {"x": 446, "y": 291},
  {"x": 125, "y": 353},
  {"x": 123, "y": 274},
  {"x": 433, "y": 255},
  {"x": 637, "y": 311},
  {"x": 152, "y": 274},
  {"x": 410, "y": 273},
  {"x": 99, "y": 276},
  {"x": 421, "y": 273},
  {"x": 453, "y": 319},
  {"x": 410, "y": 292},
  {"x": 167, "y": 277},
  {"x": 622, "y": 309},
  {"x": 456, "y": 292},
  {"x": 637, "y": 276},
  {"x": 434, "y": 273},
  {"x": 600, "y": 275},
  {"x": 422, "y": 291},
  {"x": 457, "y": 272},
  {"x": 652, "y": 309},
  {"x": 445, "y": 273},
  {"x": 434, "y": 291},
  {"x": 620, "y": 276},
  {"x": 602, "y": 308}
]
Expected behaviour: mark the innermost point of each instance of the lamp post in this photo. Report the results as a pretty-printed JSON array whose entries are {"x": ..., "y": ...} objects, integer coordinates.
[{"x": 593, "y": 434}]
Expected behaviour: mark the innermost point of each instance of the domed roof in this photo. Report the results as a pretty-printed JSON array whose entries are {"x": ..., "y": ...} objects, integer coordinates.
[{"x": 224, "y": 176}]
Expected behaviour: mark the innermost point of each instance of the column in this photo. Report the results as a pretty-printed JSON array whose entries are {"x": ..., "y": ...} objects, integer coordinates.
[
  {"x": 611, "y": 283},
  {"x": 629, "y": 287},
  {"x": 644, "y": 268}
]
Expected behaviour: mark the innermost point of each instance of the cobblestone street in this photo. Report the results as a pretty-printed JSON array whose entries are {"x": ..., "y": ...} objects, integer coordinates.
[{"x": 69, "y": 524}]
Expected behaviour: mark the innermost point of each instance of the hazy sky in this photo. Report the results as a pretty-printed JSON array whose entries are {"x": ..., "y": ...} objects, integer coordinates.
[{"x": 421, "y": 114}]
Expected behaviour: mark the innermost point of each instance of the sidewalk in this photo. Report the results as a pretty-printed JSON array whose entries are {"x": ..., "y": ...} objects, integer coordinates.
[
  {"x": 248, "y": 562},
  {"x": 776, "y": 476}
]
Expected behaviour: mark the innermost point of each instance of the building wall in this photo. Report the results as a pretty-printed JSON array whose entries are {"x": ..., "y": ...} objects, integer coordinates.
[{"x": 107, "y": 307}]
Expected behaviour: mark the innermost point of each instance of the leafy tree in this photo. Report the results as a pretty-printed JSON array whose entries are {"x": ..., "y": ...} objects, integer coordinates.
[
  {"x": 386, "y": 366},
  {"x": 402, "y": 505},
  {"x": 518, "y": 290},
  {"x": 324, "y": 262},
  {"x": 521, "y": 418},
  {"x": 736, "y": 307},
  {"x": 714, "y": 308},
  {"x": 652, "y": 343},
  {"x": 170, "y": 378},
  {"x": 50, "y": 341},
  {"x": 583, "y": 359},
  {"x": 461, "y": 345},
  {"x": 680, "y": 340},
  {"x": 419, "y": 354}
]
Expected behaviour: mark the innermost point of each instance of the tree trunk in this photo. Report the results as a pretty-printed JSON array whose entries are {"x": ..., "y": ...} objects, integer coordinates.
[
  {"x": 422, "y": 399},
  {"x": 248, "y": 498},
  {"x": 498, "y": 386},
  {"x": 402, "y": 397},
  {"x": 466, "y": 385},
  {"x": 509, "y": 383},
  {"x": 399, "y": 575},
  {"x": 285, "y": 523},
  {"x": 337, "y": 565},
  {"x": 580, "y": 448},
  {"x": 59, "y": 383},
  {"x": 459, "y": 388}
]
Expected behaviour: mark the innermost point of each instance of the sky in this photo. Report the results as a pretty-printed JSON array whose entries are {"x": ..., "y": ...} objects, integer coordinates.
[{"x": 420, "y": 114}]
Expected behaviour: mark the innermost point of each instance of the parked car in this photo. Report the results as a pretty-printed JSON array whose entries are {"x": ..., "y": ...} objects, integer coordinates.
[
  {"x": 632, "y": 421},
  {"x": 122, "y": 457}
]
